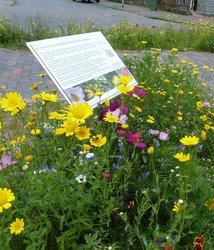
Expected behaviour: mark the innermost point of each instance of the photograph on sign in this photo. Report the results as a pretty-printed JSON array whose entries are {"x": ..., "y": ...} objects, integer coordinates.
[{"x": 81, "y": 66}]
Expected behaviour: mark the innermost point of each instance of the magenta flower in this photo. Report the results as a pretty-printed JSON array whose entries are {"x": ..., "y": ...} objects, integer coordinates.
[
  {"x": 138, "y": 92},
  {"x": 6, "y": 161},
  {"x": 136, "y": 139}
]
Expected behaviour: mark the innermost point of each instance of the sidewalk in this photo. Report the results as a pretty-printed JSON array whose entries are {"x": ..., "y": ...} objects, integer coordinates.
[{"x": 20, "y": 69}]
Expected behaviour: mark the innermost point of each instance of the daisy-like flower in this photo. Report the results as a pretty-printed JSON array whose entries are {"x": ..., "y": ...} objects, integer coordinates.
[
  {"x": 81, "y": 178},
  {"x": 82, "y": 133},
  {"x": 163, "y": 136},
  {"x": 98, "y": 140},
  {"x": 12, "y": 103},
  {"x": 6, "y": 196},
  {"x": 136, "y": 139},
  {"x": 70, "y": 126},
  {"x": 6, "y": 161},
  {"x": 35, "y": 132},
  {"x": 189, "y": 140},
  {"x": 182, "y": 157},
  {"x": 177, "y": 206},
  {"x": 109, "y": 117},
  {"x": 150, "y": 119},
  {"x": 17, "y": 226},
  {"x": 150, "y": 150},
  {"x": 199, "y": 243},
  {"x": 48, "y": 97},
  {"x": 79, "y": 111},
  {"x": 125, "y": 79},
  {"x": 56, "y": 116},
  {"x": 125, "y": 89},
  {"x": 210, "y": 204}
]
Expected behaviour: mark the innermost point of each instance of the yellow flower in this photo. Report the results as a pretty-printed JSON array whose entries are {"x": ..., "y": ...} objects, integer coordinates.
[
  {"x": 110, "y": 118},
  {"x": 189, "y": 140},
  {"x": 60, "y": 131},
  {"x": 12, "y": 102},
  {"x": 42, "y": 75},
  {"x": 180, "y": 118},
  {"x": 82, "y": 133},
  {"x": 124, "y": 126},
  {"x": 107, "y": 103},
  {"x": 182, "y": 157},
  {"x": 116, "y": 80},
  {"x": 210, "y": 204},
  {"x": 204, "y": 84},
  {"x": 166, "y": 80},
  {"x": 176, "y": 208},
  {"x": 18, "y": 155},
  {"x": 35, "y": 97},
  {"x": 48, "y": 97},
  {"x": 125, "y": 79},
  {"x": 203, "y": 118},
  {"x": 150, "y": 119},
  {"x": 70, "y": 126},
  {"x": 98, "y": 140},
  {"x": 207, "y": 127},
  {"x": 125, "y": 54},
  {"x": 28, "y": 158},
  {"x": 35, "y": 132},
  {"x": 35, "y": 86},
  {"x": 206, "y": 67},
  {"x": 179, "y": 113},
  {"x": 56, "y": 116},
  {"x": 17, "y": 226},
  {"x": 203, "y": 135},
  {"x": 99, "y": 93},
  {"x": 174, "y": 49},
  {"x": 181, "y": 92},
  {"x": 86, "y": 147},
  {"x": 0, "y": 125},
  {"x": 174, "y": 71},
  {"x": 2, "y": 149},
  {"x": 124, "y": 89},
  {"x": 138, "y": 109},
  {"x": 150, "y": 150},
  {"x": 6, "y": 196},
  {"x": 80, "y": 111}
]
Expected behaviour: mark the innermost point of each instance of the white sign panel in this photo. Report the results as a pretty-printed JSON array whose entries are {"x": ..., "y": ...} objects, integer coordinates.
[{"x": 81, "y": 65}]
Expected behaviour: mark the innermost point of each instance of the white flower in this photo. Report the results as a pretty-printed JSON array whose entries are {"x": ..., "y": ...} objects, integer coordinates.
[
  {"x": 90, "y": 156},
  {"x": 81, "y": 178}
]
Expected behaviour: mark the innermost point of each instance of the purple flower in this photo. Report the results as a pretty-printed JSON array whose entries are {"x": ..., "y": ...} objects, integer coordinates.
[
  {"x": 153, "y": 132},
  {"x": 6, "y": 161},
  {"x": 163, "y": 136},
  {"x": 90, "y": 156},
  {"x": 181, "y": 147},
  {"x": 147, "y": 173},
  {"x": 120, "y": 157},
  {"x": 138, "y": 92},
  {"x": 115, "y": 165},
  {"x": 200, "y": 146},
  {"x": 158, "y": 241}
]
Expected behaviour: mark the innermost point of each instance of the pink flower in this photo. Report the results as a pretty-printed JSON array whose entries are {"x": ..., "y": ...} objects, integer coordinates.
[
  {"x": 153, "y": 132},
  {"x": 138, "y": 92},
  {"x": 106, "y": 175},
  {"x": 6, "y": 161},
  {"x": 206, "y": 104},
  {"x": 136, "y": 139},
  {"x": 163, "y": 136}
]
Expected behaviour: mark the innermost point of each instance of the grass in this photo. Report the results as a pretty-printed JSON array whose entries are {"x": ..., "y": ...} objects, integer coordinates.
[{"x": 196, "y": 35}]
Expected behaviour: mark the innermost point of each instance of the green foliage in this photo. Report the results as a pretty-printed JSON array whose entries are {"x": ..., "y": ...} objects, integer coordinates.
[
  {"x": 196, "y": 35},
  {"x": 125, "y": 196}
]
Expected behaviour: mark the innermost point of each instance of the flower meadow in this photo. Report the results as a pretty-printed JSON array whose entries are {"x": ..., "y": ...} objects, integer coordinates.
[{"x": 136, "y": 172}]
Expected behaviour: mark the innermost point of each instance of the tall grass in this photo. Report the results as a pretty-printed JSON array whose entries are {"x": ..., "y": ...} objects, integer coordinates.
[{"x": 189, "y": 36}]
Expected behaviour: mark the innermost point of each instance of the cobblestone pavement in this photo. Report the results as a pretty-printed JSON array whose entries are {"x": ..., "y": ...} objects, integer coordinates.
[{"x": 18, "y": 70}]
